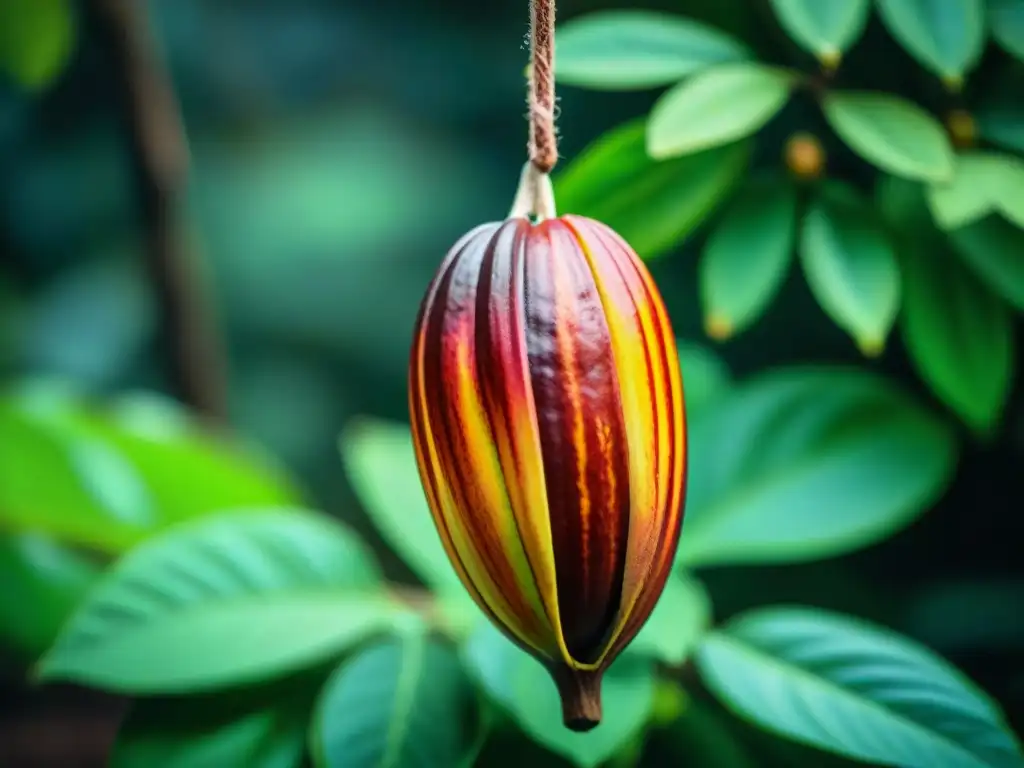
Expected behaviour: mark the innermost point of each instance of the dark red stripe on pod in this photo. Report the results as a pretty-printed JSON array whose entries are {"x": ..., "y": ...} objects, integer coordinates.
[
  {"x": 450, "y": 325},
  {"x": 583, "y": 438}
]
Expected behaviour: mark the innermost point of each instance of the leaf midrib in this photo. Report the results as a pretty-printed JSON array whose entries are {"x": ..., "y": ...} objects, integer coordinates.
[
  {"x": 830, "y": 687},
  {"x": 408, "y": 678}
]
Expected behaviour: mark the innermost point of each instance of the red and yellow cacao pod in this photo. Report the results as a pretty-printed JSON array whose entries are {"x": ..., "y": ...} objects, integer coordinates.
[{"x": 548, "y": 418}]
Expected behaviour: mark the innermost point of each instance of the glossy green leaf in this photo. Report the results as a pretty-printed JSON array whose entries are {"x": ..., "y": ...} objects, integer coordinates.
[
  {"x": 1006, "y": 19},
  {"x": 680, "y": 618},
  {"x": 114, "y": 474},
  {"x": 42, "y": 583},
  {"x": 625, "y": 49},
  {"x": 891, "y": 133},
  {"x": 381, "y": 464},
  {"x": 851, "y": 267},
  {"x": 957, "y": 333},
  {"x": 819, "y": 462},
  {"x": 945, "y": 36},
  {"x": 717, "y": 106},
  {"x": 993, "y": 248},
  {"x": 706, "y": 377},
  {"x": 37, "y": 38},
  {"x": 235, "y": 598},
  {"x": 825, "y": 29},
  {"x": 404, "y": 702},
  {"x": 983, "y": 183},
  {"x": 261, "y": 727},
  {"x": 653, "y": 205},
  {"x": 748, "y": 256},
  {"x": 851, "y": 688},
  {"x": 525, "y": 690}
]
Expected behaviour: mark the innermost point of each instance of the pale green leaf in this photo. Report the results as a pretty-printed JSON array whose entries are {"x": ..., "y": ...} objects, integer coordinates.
[
  {"x": 994, "y": 249},
  {"x": 404, "y": 702},
  {"x": 770, "y": 492},
  {"x": 826, "y": 29},
  {"x": 525, "y": 690},
  {"x": 748, "y": 256},
  {"x": 381, "y": 464},
  {"x": 717, "y": 106},
  {"x": 945, "y": 36},
  {"x": 626, "y": 49},
  {"x": 982, "y": 183},
  {"x": 37, "y": 38},
  {"x": 851, "y": 688},
  {"x": 653, "y": 205},
  {"x": 1006, "y": 19},
  {"x": 680, "y": 618},
  {"x": 114, "y": 473},
  {"x": 851, "y": 267},
  {"x": 891, "y": 133},
  {"x": 234, "y": 598}
]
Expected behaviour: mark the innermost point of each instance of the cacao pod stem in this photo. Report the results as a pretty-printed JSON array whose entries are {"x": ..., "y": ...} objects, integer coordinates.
[{"x": 580, "y": 692}]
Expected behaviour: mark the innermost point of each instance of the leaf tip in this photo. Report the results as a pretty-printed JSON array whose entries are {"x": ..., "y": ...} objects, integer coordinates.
[
  {"x": 830, "y": 58},
  {"x": 718, "y": 327},
  {"x": 871, "y": 346}
]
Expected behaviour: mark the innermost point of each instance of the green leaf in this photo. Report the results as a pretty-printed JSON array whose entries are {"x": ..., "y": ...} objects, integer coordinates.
[
  {"x": 748, "y": 256},
  {"x": 235, "y": 598},
  {"x": 1006, "y": 19},
  {"x": 715, "y": 107},
  {"x": 703, "y": 737},
  {"x": 992, "y": 247},
  {"x": 861, "y": 691},
  {"x": 825, "y": 29},
  {"x": 37, "y": 38},
  {"x": 983, "y": 183},
  {"x": 525, "y": 690},
  {"x": 653, "y": 205},
  {"x": 680, "y": 618},
  {"x": 891, "y": 133},
  {"x": 945, "y": 36},
  {"x": 850, "y": 266},
  {"x": 42, "y": 583},
  {"x": 114, "y": 475},
  {"x": 381, "y": 464},
  {"x": 705, "y": 375},
  {"x": 958, "y": 334},
  {"x": 404, "y": 702},
  {"x": 815, "y": 463},
  {"x": 621, "y": 50},
  {"x": 258, "y": 728}
]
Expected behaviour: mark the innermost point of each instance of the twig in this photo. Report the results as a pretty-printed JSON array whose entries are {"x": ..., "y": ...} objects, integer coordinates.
[
  {"x": 543, "y": 149},
  {"x": 159, "y": 158}
]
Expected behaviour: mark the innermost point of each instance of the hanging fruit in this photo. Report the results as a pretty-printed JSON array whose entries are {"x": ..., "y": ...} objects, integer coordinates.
[{"x": 549, "y": 422}]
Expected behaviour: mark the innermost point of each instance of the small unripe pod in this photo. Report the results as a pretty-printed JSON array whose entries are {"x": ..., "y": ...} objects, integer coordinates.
[{"x": 549, "y": 423}]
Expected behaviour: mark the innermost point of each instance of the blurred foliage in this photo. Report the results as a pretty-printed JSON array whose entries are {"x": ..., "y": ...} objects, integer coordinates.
[{"x": 833, "y": 192}]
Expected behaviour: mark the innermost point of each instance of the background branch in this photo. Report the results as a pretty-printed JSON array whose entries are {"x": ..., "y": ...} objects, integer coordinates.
[{"x": 159, "y": 157}]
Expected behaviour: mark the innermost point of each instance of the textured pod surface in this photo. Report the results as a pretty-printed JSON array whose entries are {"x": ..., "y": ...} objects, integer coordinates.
[{"x": 548, "y": 417}]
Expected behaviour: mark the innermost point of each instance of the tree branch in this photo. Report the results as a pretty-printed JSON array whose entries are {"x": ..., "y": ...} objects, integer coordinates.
[{"x": 159, "y": 159}]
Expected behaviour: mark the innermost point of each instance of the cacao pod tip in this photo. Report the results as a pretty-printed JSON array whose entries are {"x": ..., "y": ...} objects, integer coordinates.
[{"x": 580, "y": 692}]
